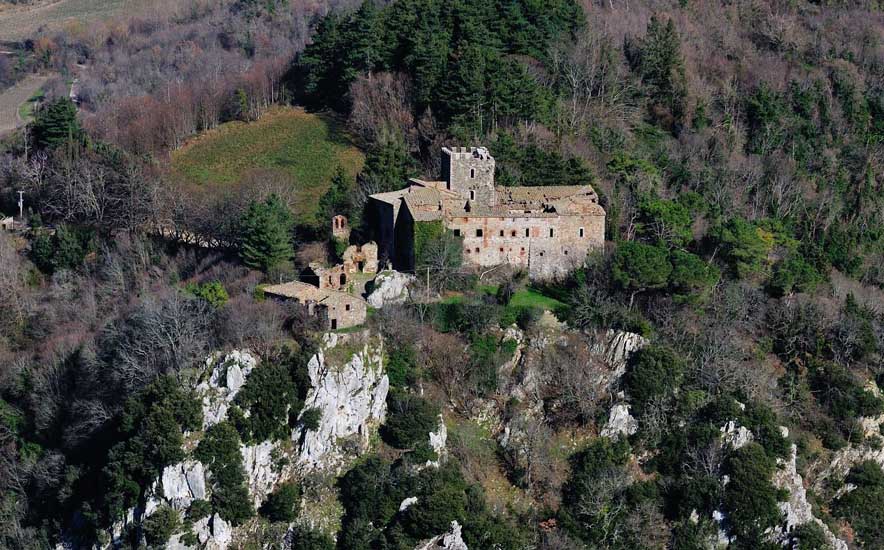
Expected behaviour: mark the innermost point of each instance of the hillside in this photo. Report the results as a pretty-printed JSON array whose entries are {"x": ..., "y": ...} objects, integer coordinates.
[
  {"x": 302, "y": 149},
  {"x": 21, "y": 21}
]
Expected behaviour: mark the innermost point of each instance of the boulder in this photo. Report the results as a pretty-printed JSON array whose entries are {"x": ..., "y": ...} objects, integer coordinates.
[
  {"x": 390, "y": 288},
  {"x": 351, "y": 399},
  {"x": 438, "y": 440},
  {"x": 213, "y": 533},
  {"x": 620, "y": 422},
  {"x": 407, "y": 503},
  {"x": 452, "y": 540},
  {"x": 617, "y": 346}
]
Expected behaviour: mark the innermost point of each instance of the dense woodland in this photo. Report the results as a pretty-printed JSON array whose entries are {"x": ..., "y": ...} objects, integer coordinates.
[{"x": 738, "y": 149}]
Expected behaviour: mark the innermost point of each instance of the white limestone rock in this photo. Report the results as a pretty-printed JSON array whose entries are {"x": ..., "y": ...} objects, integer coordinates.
[
  {"x": 183, "y": 483},
  {"x": 438, "y": 440},
  {"x": 735, "y": 436},
  {"x": 452, "y": 540},
  {"x": 228, "y": 374},
  {"x": 213, "y": 533},
  {"x": 620, "y": 422},
  {"x": 351, "y": 399},
  {"x": 797, "y": 510},
  {"x": 616, "y": 346},
  {"x": 390, "y": 288},
  {"x": 407, "y": 503},
  {"x": 261, "y": 472}
]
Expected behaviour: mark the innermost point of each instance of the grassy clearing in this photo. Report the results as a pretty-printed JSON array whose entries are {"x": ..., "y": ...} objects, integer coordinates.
[
  {"x": 526, "y": 297},
  {"x": 300, "y": 147},
  {"x": 26, "y": 109},
  {"x": 23, "y": 21}
]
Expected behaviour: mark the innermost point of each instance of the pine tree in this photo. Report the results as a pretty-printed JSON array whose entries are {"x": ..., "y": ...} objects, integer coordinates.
[
  {"x": 57, "y": 123},
  {"x": 661, "y": 66},
  {"x": 265, "y": 234}
]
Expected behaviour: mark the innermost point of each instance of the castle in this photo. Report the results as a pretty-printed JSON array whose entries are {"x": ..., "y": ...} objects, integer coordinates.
[{"x": 547, "y": 231}]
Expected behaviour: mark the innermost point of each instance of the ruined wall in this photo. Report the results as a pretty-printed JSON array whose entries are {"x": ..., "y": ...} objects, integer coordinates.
[
  {"x": 527, "y": 242},
  {"x": 344, "y": 311},
  {"x": 383, "y": 222},
  {"x": 469, "y": 172}
]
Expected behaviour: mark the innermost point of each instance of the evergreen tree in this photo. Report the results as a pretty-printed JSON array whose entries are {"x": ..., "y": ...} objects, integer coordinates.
[
  {"x": 57, "y": 123},
  {"x": 387, "y": 167},
  {"x": 661, "y": 66},
  {"x": 265, "y": 234},
  {"x": 338, "y": 199}
]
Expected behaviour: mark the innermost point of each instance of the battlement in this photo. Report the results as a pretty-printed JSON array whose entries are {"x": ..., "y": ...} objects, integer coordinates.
[{"x": 481, "y": 153}]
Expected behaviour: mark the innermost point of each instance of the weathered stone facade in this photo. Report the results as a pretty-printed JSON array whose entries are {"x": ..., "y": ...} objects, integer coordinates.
[
  {"x": 546, "y": 230},
  {"x": 340, "y": 228},
  {"x": 336, "y": 309}
]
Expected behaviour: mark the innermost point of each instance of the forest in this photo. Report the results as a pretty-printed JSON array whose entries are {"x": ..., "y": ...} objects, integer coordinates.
[{"x": 737, "y": 148}]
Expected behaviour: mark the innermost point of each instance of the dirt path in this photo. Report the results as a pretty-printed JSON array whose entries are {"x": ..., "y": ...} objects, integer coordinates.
[{"x": 12, "y": 99}]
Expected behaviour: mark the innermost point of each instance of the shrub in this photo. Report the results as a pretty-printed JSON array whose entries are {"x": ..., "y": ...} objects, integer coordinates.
[
  {"x": 410, "y": 419},
  {"x": 219, "y": 451},
  {"x": 749, "y": 498},
  {"x": 282, "y": 503},
  {"x": 161, "y": 525},
  {"x": 402, "y": 366},
  {"x": 864, "y": 506},
  {"x": 212, "y": 292},
  {"x": 199, "y": 509},
  {"x": 270, "y": 395},
  {"x": 311, "y": 418},
  {"x": 691, "y": 275},
  {"x": 307, "y": 539},
  {"x": 652, "y": 371},
  {"x": 794, "y": 274}
]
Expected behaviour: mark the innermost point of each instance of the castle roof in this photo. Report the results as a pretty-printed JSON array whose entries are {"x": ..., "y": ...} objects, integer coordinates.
[
  {"x": 305, "y": 292},
  {"x": 542, "y": 193}
]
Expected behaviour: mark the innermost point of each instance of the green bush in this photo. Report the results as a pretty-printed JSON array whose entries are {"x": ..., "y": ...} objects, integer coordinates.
[
  {"x": 864, "y": 506},
  {"x": 652, "y": 371},
  {"x": 161, "y": 525},
  {"x": 794, "y": 274},
  {"x": 282, "y": 503},
  {"x": 65, "y": 249},
  {"x": 219, "y": 451},
  {"x": 410, "y": 419},
  {"x": 199, "y": 509},
  {"x": 402, "y": 368},
  {"x": 307, "y": 539},
  {"x": 212, "y": 292},
  {"x": 271, "y": 397},
  {"x": 749, "y": 498},
  {"x": 311, "y": 418},
  {"x": 691, "y": 276}
]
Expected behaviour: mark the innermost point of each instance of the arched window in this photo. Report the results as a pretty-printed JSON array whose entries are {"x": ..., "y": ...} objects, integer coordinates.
[{"x": 343, "y": 279}]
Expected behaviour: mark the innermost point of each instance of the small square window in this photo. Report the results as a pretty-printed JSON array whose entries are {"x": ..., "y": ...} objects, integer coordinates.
[
  {"x": 457, "y": 232},
  {"x": 478, "y": 232},
  {"x": 347, "y": 307},
  {"x": 566, "y": 253},
  {"x": 501, "y": 232},
  {"x": 541, "y": 253},
  {"x": 501, "y": 249},
  {"x": 513, "y": 233},
  {"x": 477, "y": 250}
]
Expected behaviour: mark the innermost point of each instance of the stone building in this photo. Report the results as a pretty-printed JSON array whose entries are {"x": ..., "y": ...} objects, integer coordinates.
[
  {"x": 356, "y": 259},
  {"x": 336, "y": 309},
  {"x": 547, "y": 230}
]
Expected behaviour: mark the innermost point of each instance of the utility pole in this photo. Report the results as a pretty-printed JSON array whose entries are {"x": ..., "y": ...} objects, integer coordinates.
[{"x": 21, "y": 206}]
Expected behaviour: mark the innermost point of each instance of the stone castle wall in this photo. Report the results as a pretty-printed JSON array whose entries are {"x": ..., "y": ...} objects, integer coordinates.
[{"x": 527, "y": 242}]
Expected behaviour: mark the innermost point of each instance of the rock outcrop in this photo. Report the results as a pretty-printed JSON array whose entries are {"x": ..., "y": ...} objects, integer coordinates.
[
  {"x": 182, "y": 483},
  {"x": 390, "y": 288},
  {"x": 620, "y": 422},
  {"x": 227, "y": 375},
  {"x": 261, "y": 472},
  {"x": 735, "y": 436},
  {"x": 617, "y": 346},
  {"x": 797, "y": 509},
  {"x": 438, "y": 442},
  {"x": 452, "y": 540},
  {"x": 350, "y": 398}
]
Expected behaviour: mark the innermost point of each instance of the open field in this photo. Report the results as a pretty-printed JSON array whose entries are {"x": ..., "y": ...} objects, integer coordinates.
[
  {"x": 303, "y": 148},
  {"x": 19, "y": 22},
  {"x": 14, "y": 102}
]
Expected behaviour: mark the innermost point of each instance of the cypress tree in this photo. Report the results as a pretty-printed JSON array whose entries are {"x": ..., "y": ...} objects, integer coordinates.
[{"x": 265, "y": 234}]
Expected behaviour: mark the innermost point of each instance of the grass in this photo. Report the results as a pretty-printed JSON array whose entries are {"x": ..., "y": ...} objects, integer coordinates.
[
  {"x": 26, "y": 109},
  {"x": 301, "y": 148},
  {"x": 528, "y": 297},
  {"x": 23, "y": 21}
]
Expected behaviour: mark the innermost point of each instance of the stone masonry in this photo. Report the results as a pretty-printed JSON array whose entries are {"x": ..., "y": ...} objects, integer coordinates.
[{"x": 547, "y": 230}]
